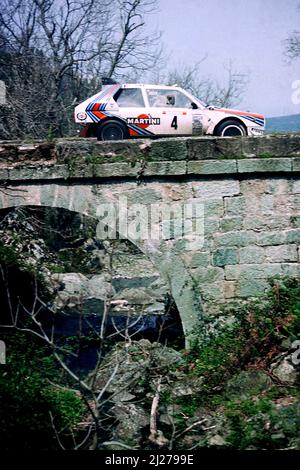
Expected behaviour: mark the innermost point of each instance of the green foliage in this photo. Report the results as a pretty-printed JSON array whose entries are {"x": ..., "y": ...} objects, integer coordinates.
[
  {"x": 50, "y": 134},
  {"x": 265, "y": 155},
  {"x": 259, "y": 424},
  {"x": 30, "y": 399},
  {"x": 8, "y": 256},
  {"x": 188, "y": 405},
  {"x": 252, "y": 338},
  {"x": 22, "y": 279},
  {"x": 56, "y": 268},
  {"x": 71, "y": 260}
]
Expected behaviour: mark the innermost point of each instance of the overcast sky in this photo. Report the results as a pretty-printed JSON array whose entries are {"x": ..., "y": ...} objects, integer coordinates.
[{"x": 250, "y": 32}]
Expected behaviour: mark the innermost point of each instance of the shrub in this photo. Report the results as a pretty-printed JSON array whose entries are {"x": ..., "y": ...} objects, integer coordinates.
[
  {"x": 253, "y": 338},
  {"x": 29, "y": 399}
]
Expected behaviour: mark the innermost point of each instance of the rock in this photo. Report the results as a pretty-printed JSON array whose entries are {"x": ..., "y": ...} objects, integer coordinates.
[
  {"x": 165, "y": 357},
  {"x": 285, "y": 370},
  {"x": 75, "y": 290},
  {"x": 157, "y": 308},
  {"x": 247, "y": 383},
  {"x": 131, "y": 420},
  {"x": 286, "y": 344},
  {"x": 135, "y": 296},
  {"x": 187, "y": 386},
  {"x": 98, "y": 256},
  {"x": 132, "y": 364},
  {"x": 217, "y": 441},
  {"x": 123, "y": 396}
]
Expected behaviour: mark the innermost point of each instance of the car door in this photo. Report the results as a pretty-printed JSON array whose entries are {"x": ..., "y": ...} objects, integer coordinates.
[
  {"x": 131, "y": 108},
  {"x": 172, "y": 108}
]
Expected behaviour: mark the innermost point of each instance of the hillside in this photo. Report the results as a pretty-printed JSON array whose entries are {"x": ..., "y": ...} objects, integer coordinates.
[{"x": 289, "y": 123}]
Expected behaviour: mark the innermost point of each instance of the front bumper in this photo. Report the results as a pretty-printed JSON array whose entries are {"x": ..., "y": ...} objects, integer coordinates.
[{"x": 255, "y": 131}]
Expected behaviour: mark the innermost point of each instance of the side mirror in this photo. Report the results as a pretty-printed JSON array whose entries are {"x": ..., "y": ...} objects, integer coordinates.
[{"x": 194, "y": 106}]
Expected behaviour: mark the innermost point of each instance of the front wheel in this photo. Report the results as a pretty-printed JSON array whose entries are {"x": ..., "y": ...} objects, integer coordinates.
[
  {"x": 231, "y": 128},
  {"x": 112, "y": 130}
]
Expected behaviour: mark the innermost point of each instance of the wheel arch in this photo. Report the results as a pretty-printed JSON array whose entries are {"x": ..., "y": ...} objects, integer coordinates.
[
  {"x": 230, "y": 118},
  {"x": 112, "y": 118},
  {"x": 93, "y": 127}
]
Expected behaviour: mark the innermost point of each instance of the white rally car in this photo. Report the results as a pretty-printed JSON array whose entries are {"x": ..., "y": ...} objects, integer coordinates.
[{"x": 137, "y": 110}]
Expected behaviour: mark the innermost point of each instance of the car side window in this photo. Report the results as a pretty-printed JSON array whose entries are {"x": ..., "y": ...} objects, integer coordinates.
[
  {"x": 168, "y": 98},
  {"x": 129, "y": 98}
]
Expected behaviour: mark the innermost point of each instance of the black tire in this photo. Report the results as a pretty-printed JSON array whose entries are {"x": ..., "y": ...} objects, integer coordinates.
[
  {"x": 112, "y": 130},
  {"x": 231, "y": 128}
]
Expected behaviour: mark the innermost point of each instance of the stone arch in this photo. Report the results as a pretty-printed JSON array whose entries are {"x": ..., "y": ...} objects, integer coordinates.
[{"x": 84, "y": 199}]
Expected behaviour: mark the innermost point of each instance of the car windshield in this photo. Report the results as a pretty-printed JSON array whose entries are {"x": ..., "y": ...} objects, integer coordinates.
[{"x": 196, "y": 100}]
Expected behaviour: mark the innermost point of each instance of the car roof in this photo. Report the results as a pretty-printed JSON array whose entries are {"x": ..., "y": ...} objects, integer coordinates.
[{"x": 139, "y": 85}]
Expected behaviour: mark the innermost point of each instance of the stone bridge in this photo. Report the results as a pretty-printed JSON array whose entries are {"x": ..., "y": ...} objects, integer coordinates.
[{"x": 249, "y": 189}]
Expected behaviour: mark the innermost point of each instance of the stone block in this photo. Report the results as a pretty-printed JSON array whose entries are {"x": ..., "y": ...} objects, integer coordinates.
[
  {"x": 143, "y": 196},
  {"x": 254, "y": 222},
  {"x": 296, "y": 164},
  {"x": 211, "y": 167},
  {"x": 107, "y": 170},
  {"x": 291, "y": 269},
  {"x": 230, "y": 224},
  {"x": 3, "y": 174},
  {"x": 225, "y": 256},
  {"x": 264, "y": 165},
  {"x": 281, "y": 253},
  {"x": 167, "y": 149},
  {"x": 211, "y": 226},
  {"x": 296, "y": 186},
  {"x": 235, "y": 206},
  {"x": 213, "y": 208},
  {"x": 216, "y": 188},
  {"x": 240, "y": 238},
  {"x": 255, "y": 271},
  {"x": 295, "y": 221},
  {"x": 230, "y": 289},
  {"x": 201, "y": 148},
  {"x": 293, "y": 236},
  {"x": 207, "y": 275},
  {"x": 253, "y": 187},
  {"x": 252, "y": 287},
  {"x": 163, "y": 168},
  {"x": 39, "y": 172},
  {"x": 252, "y": 255},
  {"x": 196, "y": 259},
  {"x": 278, "y": 186},
  {"x": 271, "y": 238},
  {"x": 211, "y": 292}
]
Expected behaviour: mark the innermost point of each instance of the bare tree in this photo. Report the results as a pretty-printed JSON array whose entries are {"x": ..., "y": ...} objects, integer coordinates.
[
  {"x": 207, "y": 89},
  {"x": 27, "y": 319},
  {"x": 55, "y": 52}
]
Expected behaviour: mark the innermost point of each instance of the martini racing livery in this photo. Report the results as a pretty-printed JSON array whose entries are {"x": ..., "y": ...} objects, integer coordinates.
[{"x": 137, "y": 110}]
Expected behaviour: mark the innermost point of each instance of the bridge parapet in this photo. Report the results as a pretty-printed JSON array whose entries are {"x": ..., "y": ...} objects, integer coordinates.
[
  {"x": 249, "y": 189},
  {"x": 136, "y": 159}
]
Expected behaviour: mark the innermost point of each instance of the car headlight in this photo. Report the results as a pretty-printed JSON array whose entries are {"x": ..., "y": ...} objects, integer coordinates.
[{"x": 81, "y": 116}]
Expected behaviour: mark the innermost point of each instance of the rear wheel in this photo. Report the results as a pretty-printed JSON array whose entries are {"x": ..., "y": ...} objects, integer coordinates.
[
  {"x": 231, "y": 128},
  {"x": 112, "y": 130}
]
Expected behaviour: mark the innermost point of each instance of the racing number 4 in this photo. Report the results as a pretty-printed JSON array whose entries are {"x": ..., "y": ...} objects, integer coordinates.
[{"x": 174, "y": 123}]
